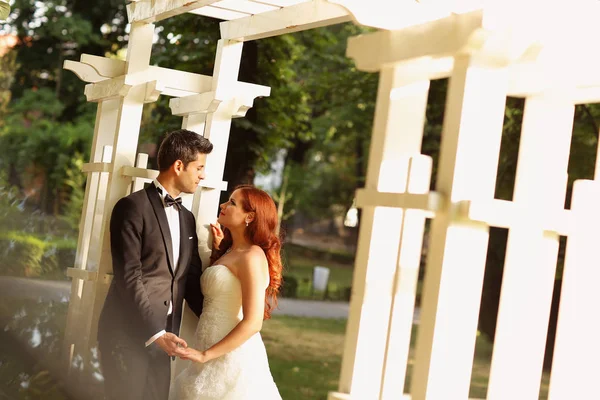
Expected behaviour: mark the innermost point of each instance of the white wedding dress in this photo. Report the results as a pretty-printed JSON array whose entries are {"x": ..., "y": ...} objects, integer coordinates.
[{"x": 242, "y": 374}]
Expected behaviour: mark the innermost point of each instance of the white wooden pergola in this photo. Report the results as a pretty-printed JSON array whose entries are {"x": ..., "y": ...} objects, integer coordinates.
[{"x": 489, "y": 51}]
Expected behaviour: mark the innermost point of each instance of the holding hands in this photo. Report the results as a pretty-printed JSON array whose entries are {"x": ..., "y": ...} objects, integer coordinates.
[{"x": 173, "y": 345}]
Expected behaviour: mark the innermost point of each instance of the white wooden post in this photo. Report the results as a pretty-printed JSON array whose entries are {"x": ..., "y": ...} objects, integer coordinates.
[
  {"x": 214, "y": 126},
  {"x": 405, "y": 285},
  {"x": 397, "y": 135},
  {"x": 455, "y": 265},
  {"x": 577, "y": 349},
  {"x": 531, "y": 253},
  {"x": 118, "y": 124}
]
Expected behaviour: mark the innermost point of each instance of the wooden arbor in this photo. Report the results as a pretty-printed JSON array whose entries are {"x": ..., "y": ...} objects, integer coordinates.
[{"x": 488, "y": 54}]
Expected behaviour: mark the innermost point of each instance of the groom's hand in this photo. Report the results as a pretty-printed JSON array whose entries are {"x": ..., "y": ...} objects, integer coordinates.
[{"x": 171, "y": 344}]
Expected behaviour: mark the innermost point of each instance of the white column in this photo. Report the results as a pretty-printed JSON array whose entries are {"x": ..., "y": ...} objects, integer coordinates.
[
  {"x": 118, "y": 125},
  {"x": 531, "y": 253},
  {"x": 405, "y": 286},
  {"x": 93, "y": 198},
  {"x": 215, "y": 127},
  {"x": 577, "y": 348},
  {"x": 455, "y": 264},
  {"x": 397, "y": 135}
]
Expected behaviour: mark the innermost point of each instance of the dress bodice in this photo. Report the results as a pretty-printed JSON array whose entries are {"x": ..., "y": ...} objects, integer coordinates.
[{"x": 222, "y": 292}]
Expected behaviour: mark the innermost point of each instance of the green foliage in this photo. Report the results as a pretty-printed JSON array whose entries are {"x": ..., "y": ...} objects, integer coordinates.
[
  {"x": 290, "y": 287},
  {"x": 342, "y": 104},
  {"x": 20, "y": 255},
  {"x": 23, "y": 254},
  {"x": 41, "y": 148}
]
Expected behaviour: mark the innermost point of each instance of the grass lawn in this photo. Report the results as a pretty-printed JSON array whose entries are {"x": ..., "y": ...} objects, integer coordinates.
[{"x": 305, "y": 357}]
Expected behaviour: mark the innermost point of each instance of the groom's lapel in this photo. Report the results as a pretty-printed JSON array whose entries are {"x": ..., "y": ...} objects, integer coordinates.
[
  {"x": 161, "y": 216},
  {"x": 185, "y": 232}
]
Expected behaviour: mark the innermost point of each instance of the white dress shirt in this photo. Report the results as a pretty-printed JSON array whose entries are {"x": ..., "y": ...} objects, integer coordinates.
[{"x": 173, "y": 219}]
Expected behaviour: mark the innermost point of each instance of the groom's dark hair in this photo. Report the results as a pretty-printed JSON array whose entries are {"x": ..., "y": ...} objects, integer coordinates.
[{"x": 181, "y": 145}]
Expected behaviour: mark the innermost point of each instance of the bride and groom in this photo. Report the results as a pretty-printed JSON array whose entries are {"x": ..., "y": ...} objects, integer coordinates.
[{"x": 156, "y": 265}]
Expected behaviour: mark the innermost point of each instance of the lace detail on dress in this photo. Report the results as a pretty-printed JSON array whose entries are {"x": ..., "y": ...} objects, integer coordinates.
[{"x": 241, "y": 374}]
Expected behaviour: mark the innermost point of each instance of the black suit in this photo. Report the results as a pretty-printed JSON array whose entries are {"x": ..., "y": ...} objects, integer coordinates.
[{"x": 138, "y": 299}]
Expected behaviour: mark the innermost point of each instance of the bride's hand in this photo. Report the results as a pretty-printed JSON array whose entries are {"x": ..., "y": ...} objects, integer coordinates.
[
  {"x": 193, "y": 355},
  {"x": 218, "y": 235}
]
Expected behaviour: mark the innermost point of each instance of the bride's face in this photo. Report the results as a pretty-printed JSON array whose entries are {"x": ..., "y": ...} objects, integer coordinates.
[{"x": 232, "y": 214}]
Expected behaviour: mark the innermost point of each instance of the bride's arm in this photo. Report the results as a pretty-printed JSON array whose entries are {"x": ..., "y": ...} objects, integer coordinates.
[{"x": 252, "y": 273}]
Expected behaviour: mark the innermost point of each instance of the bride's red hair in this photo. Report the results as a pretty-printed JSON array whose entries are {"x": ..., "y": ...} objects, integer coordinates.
[{"x": 261, "y": 232}]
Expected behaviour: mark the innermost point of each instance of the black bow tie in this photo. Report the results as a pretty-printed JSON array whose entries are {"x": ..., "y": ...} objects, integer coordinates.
[{"x": 170, "y": 201}]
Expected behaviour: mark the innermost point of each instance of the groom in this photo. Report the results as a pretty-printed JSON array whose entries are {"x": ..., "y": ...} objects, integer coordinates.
[{"x": 156, "y": 264}]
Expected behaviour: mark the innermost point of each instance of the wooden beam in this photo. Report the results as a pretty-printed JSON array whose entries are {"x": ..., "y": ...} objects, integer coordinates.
[
  {"x": 441, "y": 38},
  {"x": 170, "y": 82},
  {"x": 431, "y": 201},
  {"x": 219, "y": 13},
  {"x": 300, "y": 17},
  {"x": 148, "y": 11},
  {"x": 248, "y": 7}
]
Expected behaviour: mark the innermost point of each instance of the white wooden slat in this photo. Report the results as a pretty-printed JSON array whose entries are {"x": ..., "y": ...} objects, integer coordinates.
[
  {"x": 247, "y": 7},
  {"x": 219, "y": 13},
  {"x": 405, "y": 285},
  {"x": 82, "y": 274},
  {"x": 431, "y": 202},
  {"x": 303, "y": 16},
  {"x": 467, "y": 168},
  {"x": 577, "y": 349},
  {"x": 216, "y": 127},
  {"x": 531, "y": 253},
  {"x": 397, "y": 135},
  {"x": 280, "y": 3},
  {"x": 148, "y": 11}
]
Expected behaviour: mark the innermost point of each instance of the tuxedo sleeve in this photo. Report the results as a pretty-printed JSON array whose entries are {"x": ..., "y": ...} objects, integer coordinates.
[
  {"x": 193, "y": 293},
  {"x": 126, "y": 226}
]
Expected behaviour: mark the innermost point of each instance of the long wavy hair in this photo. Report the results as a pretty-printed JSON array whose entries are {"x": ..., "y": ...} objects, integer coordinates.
[{"x": 261, "y": 232}]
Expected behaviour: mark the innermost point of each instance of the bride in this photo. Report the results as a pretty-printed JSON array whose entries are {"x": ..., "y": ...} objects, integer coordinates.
[{"x": 240, "y": 290}]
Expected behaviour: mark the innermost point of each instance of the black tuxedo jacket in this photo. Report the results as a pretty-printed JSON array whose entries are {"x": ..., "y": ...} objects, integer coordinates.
[{"x": 144, "y": 279}]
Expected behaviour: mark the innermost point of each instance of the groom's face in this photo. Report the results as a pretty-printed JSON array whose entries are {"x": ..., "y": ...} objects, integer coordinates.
[{"x": 189, "y": 177}]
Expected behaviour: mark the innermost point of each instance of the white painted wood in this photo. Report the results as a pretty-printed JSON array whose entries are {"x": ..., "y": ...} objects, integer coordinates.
[
  {"x": 135, "y": 172},
  {"x": 432, "y": 201},
  {"x": 85, "y": 72},
  {"x": 106, "y": 90},
  {"x": 82, "y": 274},
  {"x": 405, "y": 283},
  {"x": 577, "y": 349},
  {"x": 506, "y": 214},
  {"x": 148, "y": 11},
  {"x": 531, "y": 253},
  {"x": 219, "y": 13},
  {"x": 444, "y": 37},
  {"x": 202, "y": 103},
  {"x": 96, "y": 167},
  {"x": 123, "y": 137},
  {"x": 457, "y": 250},
  {"x": 248, "y": 7},
  {"x": 397, "y": 134},
  {"x": 400, "y": 14},
  {"x": 141, "y": 162},
  {"x": 281, "y": 3},
  {"x": 306, "y": 15},
  {"x": 94, "y": 195},
  {"x": 105, "y": 66},
  {"x": 214, "y": 126}
]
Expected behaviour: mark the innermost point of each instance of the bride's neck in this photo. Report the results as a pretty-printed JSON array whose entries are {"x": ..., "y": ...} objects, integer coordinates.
[{"x": 239, "y": 241}]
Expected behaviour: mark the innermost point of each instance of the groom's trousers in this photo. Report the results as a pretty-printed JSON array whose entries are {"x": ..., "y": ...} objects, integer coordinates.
[{"x": 132, "y": 371}]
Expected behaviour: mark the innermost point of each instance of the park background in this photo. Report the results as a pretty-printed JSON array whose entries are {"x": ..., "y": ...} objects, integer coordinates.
[{"x": 307, "y": 144}]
